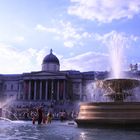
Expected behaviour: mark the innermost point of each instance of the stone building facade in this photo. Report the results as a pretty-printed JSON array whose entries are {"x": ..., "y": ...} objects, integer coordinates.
[
  {"x": 45, "y": 86},
  {"x": 48, "y": 85}
]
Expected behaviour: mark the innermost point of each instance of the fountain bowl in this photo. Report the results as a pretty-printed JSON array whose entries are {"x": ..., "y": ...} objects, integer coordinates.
[
  {"x": 120, "y": 84},
  {"x": 119, "y": 89}
]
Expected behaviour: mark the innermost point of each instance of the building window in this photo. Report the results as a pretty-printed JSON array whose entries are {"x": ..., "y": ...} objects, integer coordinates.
[
  {"x": 18, "y": 86},
  {"x": 12, "y": 87},
  {"x": 0, "y": 87},
  {"x": 5, "y": 87}
]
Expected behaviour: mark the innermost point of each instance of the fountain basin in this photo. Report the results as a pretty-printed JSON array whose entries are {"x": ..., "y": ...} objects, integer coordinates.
[
  {"x": 121, "y": 84},
  {"x": 109, "y": 114},
  {"x": 119, "y": 89}
]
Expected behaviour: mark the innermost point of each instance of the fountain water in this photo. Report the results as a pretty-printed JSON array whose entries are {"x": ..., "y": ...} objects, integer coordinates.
[
  {"x": 117, "y": 88},
  {"x": 116, "y": 46},
  {"x": 5, "y": 112}
]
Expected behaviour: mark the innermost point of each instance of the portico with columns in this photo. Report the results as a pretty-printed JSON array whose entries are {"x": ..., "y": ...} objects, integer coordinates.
[{"x": 46, "y": 87}]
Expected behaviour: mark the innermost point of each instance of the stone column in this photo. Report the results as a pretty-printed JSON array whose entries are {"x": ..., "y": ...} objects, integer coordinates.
[
  {"x": 19, "y": 91},
  {"x": 29, "y": 92},
  {"x": 40, "y": 95},
  {"x": 34, "y": 90},
  {"x": 57, "y": 94},
  {"x": 80, "y": 90},
  {"x": 24, "y": 90},
  {"x": 46, "y": 92},
  {"x": 64, "y": 90},
  {"x": 52, "y": 90}
]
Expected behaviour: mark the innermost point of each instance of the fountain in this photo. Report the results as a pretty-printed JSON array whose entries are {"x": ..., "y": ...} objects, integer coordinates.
[
  {"x": 5, "y": 111},
  {"x": 118, "y": 111}
]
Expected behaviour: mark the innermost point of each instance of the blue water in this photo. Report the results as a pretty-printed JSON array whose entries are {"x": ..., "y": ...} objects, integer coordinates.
[{"x": 24, "y": 130}]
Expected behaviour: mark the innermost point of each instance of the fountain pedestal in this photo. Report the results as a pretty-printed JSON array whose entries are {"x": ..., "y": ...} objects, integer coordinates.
[{"x": 111, "y": 113}]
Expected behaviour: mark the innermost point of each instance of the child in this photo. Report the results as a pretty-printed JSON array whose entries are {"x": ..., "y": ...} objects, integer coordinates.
[
  {"x": 44, "y": 118},
  {"x": 33, "y": 120},
  {"x": 49, "y": 117}
]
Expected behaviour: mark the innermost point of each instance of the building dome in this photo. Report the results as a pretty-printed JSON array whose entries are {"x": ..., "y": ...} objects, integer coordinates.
[
  {"x": 50, "y": 62},
  {"x": 50, "y": 58}
]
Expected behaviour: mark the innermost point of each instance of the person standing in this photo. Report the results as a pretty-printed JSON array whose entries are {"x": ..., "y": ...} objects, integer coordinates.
[
  {"x": 49, "y": 117},
  {"x": 40, "y": 115}
]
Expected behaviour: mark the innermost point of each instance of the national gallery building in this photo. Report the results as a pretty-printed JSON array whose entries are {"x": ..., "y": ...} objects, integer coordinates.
[{"x": 49, "y": 85}]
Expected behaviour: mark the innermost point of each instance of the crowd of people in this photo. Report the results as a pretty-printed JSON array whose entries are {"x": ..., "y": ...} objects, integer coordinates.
[
  {"x": 40, "y": 117},
  {"x": 39, "y": 114}
]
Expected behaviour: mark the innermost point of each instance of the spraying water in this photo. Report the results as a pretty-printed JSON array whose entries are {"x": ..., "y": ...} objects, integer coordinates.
[
  {"x": 4, "y": 106},
  {"x": 6, "y": 102},
  {"x": 116, "y": 45}
]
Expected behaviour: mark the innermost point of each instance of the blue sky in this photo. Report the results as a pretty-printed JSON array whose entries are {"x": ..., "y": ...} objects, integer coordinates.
[{"x": 78, "y": 31}]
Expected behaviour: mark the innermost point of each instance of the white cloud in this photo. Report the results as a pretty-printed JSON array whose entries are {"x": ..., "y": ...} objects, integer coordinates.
[
  {"x": 70, "y": 35},
  {"x": 134, "y": 38},
  {"x": 104, "y": 11},
  {"x": 42, "y": 28},
  {"x": 15, "y": 61},
  {"x": 89, "y": 61},
  {"x": 115, "y": 37},
  {"x": 69, "y": 44},
  {"x": 19, "y": 39}
]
